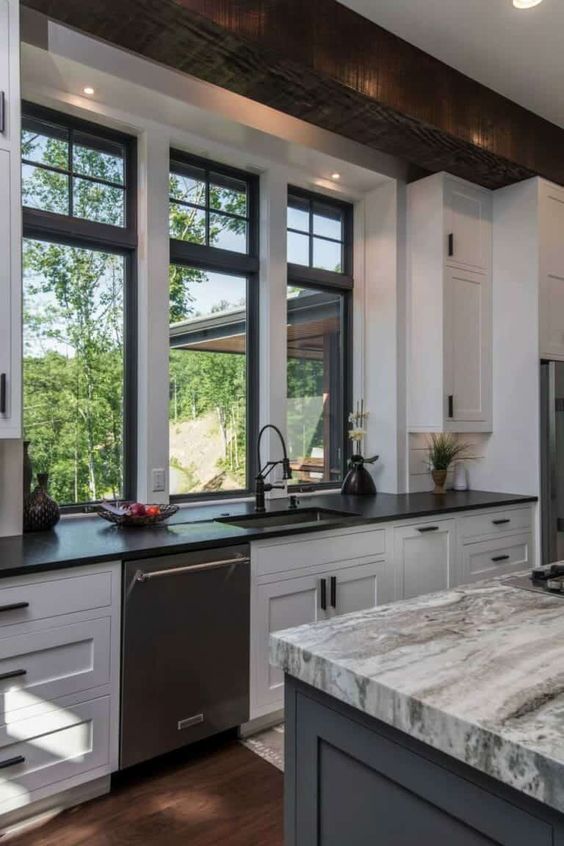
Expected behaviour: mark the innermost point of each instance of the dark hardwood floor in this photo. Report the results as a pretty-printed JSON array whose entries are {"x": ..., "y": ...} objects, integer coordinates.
[{"x": 220, "y": 794}]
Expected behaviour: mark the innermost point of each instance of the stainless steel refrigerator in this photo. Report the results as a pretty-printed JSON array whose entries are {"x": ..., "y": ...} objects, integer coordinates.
[{"x": 552, "y": 461}]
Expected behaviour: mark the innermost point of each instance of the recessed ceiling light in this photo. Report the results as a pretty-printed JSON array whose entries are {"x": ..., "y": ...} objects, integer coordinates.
[
  {"x": 526, "y": 4},
  {"x": 335, "y": 176},
  {"x": 88, "y": 90}
]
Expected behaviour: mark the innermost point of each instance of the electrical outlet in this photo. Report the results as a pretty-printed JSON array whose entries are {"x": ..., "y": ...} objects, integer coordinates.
[{"x": 159, "y": 480}]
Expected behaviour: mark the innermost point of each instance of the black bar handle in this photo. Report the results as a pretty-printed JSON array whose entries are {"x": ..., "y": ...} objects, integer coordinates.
[
  {"x": 333, "y": 586},
  {"x": 14, "y": 606},
  {"x": 323, "y": 599},
  {"x": 451, "y": 244},
  {"x": 2, "y": 112},
  {"x": 424, "y": 529},
  {"x": 3, "y": 394},
  {"x": 13, "y": 674},
  {"x": 451, "y": 405},
  {"x": 501, "y": 558},
  {"x": 12, "y": 762},
  {"x": 501, "y": 522}
]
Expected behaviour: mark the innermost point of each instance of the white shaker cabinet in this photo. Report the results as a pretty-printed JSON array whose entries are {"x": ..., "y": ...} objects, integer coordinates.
[
  {"x": 449, "y": 306},
  {"x": 551, "y": 267},
  {"x": 424, "y": 558}
]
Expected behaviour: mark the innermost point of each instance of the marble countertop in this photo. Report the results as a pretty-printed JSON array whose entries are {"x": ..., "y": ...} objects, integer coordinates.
[{"x": 476, "y": 672}]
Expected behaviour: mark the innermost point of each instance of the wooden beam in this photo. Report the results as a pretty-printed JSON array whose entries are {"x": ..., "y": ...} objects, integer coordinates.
[{"x": 323, "y": 63}]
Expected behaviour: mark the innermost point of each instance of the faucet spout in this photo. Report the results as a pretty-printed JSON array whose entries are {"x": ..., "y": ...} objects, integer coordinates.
[{"x": 263, "y": 471}]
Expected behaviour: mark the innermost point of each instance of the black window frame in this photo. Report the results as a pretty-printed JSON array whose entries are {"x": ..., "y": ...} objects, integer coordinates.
[
  {"x": 318, "y": 279},
  {"x": 215, "y": 259},
  {"x": 70, "y": 231}
]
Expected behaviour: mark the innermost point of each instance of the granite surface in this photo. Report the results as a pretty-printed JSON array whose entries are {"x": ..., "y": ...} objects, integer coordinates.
[
  {"x": 476, "y": 672},
  {"x": 79, "y": 540}
]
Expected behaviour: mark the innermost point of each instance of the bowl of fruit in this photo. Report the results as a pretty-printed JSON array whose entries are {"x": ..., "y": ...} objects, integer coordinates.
[{"x": 135, "y": 513}]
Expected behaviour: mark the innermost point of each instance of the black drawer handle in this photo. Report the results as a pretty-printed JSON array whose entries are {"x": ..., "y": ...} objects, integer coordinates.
[
  {"x": 12, "y": 762},
  {"x": 501, "y": 558},
  {"x": 3, "y": 394},
  {"x": 451, "y": 405},
  {"x": 333, "y": 587},
  {"x": 501, "y": 522},
  {"x": 14, "y": 606},
  {"x": 451, "y": 244},
  {"x": 424, "y": 529},
  {"x": 13, "y": 674},
  {"x": 323, "y": 599}
]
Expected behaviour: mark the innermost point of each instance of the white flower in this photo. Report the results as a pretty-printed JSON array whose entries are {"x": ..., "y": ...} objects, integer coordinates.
[{"x": 357, "y": 434}]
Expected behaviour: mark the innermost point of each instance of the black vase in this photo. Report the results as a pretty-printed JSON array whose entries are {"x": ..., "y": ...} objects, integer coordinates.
[
  {"x": 40, "y": 511},
  {"x": 358, "y": 481}
]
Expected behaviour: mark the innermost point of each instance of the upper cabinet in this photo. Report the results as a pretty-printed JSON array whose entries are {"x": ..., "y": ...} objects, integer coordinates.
[
  {"x": 551, "y": 266},
  {"x": 10, "y": 223},
  {"x": 449, "y": 306}
]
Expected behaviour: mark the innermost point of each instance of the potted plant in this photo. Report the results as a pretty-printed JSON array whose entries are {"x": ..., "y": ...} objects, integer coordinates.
[{"x": 442, "y": 450}]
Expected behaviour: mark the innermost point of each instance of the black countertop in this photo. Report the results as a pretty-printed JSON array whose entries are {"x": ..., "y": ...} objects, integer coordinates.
[{"x": 80, "y": 540}]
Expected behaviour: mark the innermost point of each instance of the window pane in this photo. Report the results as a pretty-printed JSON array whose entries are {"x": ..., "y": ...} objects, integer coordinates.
[
  {"x": 298, "y": 214},
  {"x": 228, "y": 194},
  {"x": 45, "y": 189},
  {"x": 188, "y": 184},
  {"x": 327, "y": 221},
  {"x": 97, "y": 157},
  {"x": 228, "y": 233},
  {"x": 74, "y": 368},
  {"x": 44, "y": 144},
  {"x": 315, "y": 385},
  {"x": 187, "y": 224},
  {"x": 98, "y": 202},
  {"x": 327, "y": 255},
  {"x": 208, "y": 390},
  {"x": 298, "y": 248}
]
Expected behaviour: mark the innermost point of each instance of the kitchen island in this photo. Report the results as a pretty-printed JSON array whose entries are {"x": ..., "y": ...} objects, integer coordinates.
[{"x": 433, "y": 721}]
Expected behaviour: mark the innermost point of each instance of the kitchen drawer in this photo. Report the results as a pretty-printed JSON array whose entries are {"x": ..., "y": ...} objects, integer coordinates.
[
  {"x": 56, "y": 746},
  {"x": 311, "y": 550},
  {"x": 496, "y": 557},
  {"x": 26, "y": 602},
  {"x": 42, "y": 666},
  {"x": 498, "y": 522}
]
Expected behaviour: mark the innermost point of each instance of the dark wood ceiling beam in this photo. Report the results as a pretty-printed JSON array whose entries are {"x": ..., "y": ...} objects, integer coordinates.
[{"x": 320, "y": 62}]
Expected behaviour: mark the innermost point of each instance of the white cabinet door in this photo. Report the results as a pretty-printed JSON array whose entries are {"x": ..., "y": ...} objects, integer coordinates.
[
  {"x": 552, "y": 273},
  {"x": 6, "y": 312},
  {"x": 496, "y": 557},
  {"x": 468, "y": 225},
  {"x": 5, "y": 62},
  {"x": 361, "y": 587},
  {"x": 467, "y": 355},
  {"x": 424, "y": 558}
]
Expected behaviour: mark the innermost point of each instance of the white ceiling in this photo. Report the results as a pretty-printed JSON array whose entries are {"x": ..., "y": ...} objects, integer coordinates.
[{"x": 519, "y": 53}]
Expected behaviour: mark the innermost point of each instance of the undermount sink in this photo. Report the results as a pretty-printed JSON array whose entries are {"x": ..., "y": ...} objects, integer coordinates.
[{"x": 286, "y": 518}]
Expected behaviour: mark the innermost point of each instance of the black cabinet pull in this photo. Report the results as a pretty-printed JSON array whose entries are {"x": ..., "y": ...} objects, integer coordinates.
[
  {"x": 3, "y": 394},
  {"x": 2, "y": 112},
  {"x": 13, "y": 674},
  {"x": 14, "y": 606},
  {"x": 12, "y": 762},
  {"x": 323, "y": 600},
  {"x": 424, "y": 529},
  {"x": 501, "y": 522},
  {"x": 451, "y": 405},
  {"x": 333, "y": 588},
  {"x": 451, "y": 244},
  {"x": 497, "y": 558}
]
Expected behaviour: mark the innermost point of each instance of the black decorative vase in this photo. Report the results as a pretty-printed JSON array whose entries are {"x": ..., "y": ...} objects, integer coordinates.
[
  {"x": 358, "y": 481},
  {"x": 40, "y": 511}
]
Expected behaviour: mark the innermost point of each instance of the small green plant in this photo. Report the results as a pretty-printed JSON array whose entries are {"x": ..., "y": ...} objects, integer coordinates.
[{"x": 443, "y": 449}]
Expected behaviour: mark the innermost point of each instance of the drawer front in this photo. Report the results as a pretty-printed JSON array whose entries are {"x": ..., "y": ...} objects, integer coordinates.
[
  {"x": 495, "y": 522},
  {"x": 44, "y": 750},
  {"x": 39, "y": 667},
  {"x": 28, "y": 602},
  {"x": 309, "y": 551},
  {"x": 496, "y": 557}
]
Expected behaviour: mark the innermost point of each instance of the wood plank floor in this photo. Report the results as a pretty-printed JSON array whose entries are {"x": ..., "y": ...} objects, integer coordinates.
[{"x": 221, "y": 794}]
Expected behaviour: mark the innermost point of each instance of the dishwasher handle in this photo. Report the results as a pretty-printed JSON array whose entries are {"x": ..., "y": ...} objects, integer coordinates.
[{"x": 142, "y": 576}]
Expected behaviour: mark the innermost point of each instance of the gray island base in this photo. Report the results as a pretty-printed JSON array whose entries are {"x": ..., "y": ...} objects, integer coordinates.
[{"x": 433, "y": 722}]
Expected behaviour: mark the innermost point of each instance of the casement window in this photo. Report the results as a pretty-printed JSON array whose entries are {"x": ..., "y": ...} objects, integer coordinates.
[
  {"x": 319, "y": 337},
  {"x": 80, "y": 237},
  {"x": 213, "y": 407}
]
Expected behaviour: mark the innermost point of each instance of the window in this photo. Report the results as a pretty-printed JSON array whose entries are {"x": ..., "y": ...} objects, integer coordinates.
[
  {"x": 213, "y": 317},
  {"x": 318, "y": 357},
  {"x": 78, "y": 298}
]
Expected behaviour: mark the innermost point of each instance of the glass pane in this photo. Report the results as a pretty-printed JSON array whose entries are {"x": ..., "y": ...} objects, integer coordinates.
[
  {"x": 327, "y": 255},
  {"x": 73, "y": 369},
  {"x": 298, "y": 214},
  {"x": 315, "y": 385},
  {"x": 207, "y": 410},
  {"x": 228, "y": 194},
  {"x": 98, "y": 202},
  {"x": 187, "y": 224},
  {"x": 298, "y": 248},
  {"x": 327, "y": 221},
  {"x": 98, "y": 157},
  {"x": 188, "y": 184},
  {"x": 45, "y": 189},
  {"x": 44, "y": 144},
  {"x": 228, "y": 233}
]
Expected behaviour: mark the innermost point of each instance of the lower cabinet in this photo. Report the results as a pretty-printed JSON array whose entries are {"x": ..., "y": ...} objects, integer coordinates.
[
  {"x": 495, "y": 557},
  {"x": 424, "y": 558}
]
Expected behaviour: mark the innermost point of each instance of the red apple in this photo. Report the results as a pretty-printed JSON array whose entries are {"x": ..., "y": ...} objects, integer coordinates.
[{"x": 137, "y": 510}]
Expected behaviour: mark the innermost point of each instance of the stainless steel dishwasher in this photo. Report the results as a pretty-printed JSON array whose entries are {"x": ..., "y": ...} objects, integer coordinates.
[{"x": 185, "y": 658}]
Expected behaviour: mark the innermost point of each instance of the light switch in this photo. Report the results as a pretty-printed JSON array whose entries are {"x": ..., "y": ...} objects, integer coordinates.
[{"x": 159, "y": 480}]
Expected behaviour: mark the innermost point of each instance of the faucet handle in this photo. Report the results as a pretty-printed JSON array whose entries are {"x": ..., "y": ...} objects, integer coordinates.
[{"x": 294, "y": 502}]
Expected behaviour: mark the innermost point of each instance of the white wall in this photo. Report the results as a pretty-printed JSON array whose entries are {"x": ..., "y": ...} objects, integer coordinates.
[{"x": 11, "y": 487}]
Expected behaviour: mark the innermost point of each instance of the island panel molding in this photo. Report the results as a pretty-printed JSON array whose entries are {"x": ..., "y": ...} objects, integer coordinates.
[{"x": 327, "y": 65}]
